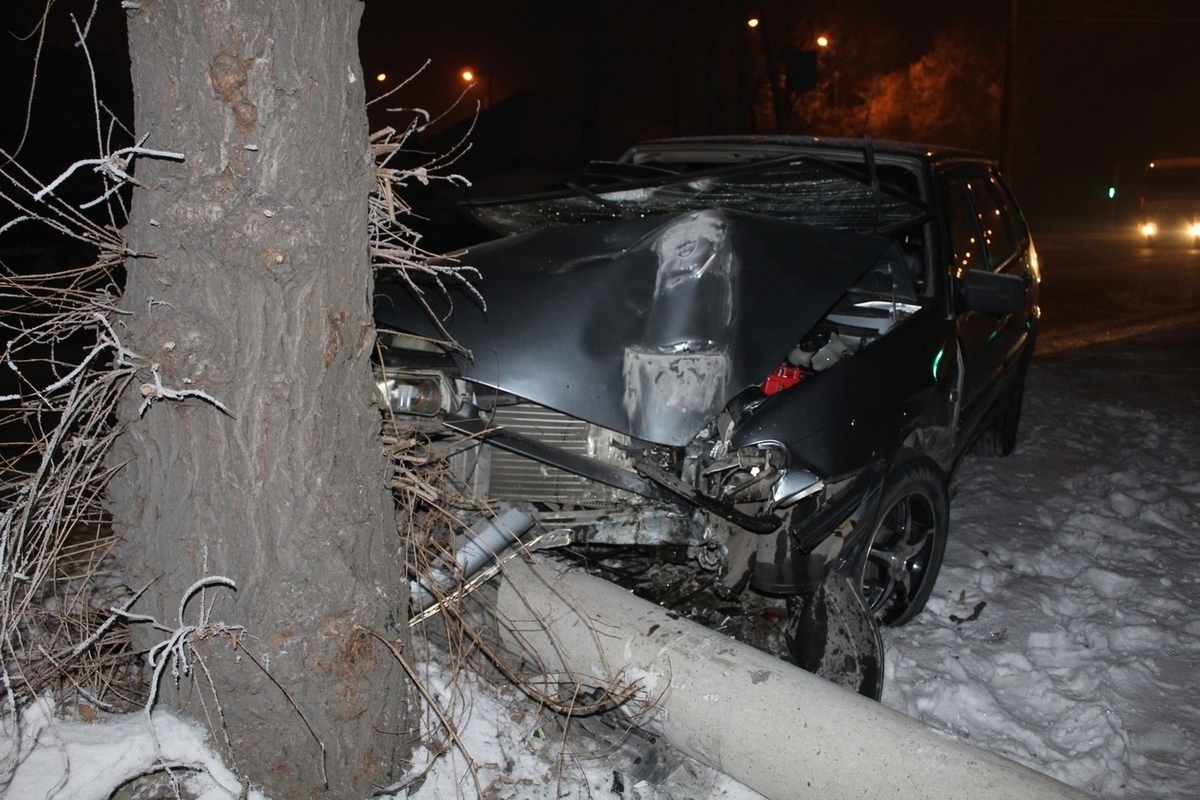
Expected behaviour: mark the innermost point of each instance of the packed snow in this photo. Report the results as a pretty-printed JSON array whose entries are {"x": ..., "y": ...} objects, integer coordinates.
[
  {"x": 81, "y": 761},
  {"x": 1080, "y": 552},
  {"x": 1063, "y": 632}
]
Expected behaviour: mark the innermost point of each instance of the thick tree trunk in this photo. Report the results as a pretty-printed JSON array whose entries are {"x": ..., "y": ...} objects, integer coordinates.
[{"x": 252, "y": 286}]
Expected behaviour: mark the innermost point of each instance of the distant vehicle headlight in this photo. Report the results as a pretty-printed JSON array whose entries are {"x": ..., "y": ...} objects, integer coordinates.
[
  {"x": 1149, "y": 228},
  {"x": 1194, "y": 230}
]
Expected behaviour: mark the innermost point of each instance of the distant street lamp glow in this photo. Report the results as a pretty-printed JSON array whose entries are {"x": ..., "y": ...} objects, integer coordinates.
[
  {"x": 752, "y": 22},
  {"x": 822, "y": 41},
  {"x": 381, "y": 77},
  {"x": 473, "y": 77}
]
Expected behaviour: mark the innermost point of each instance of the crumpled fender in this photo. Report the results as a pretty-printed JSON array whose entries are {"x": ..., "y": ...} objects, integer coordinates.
[
  {"x": 858, "y": 411},
  {"x": 648, "y": 326}
]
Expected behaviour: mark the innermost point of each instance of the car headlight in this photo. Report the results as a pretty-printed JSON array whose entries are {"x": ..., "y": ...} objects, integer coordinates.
[
  {"x": 760, "y": 473},
  {"x": 1194, "y": 230},
  {"x": 1149, "y": 228},
  {"x": 425, "y": 393}
]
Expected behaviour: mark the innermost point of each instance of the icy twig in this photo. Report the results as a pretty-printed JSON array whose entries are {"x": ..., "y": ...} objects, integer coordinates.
[
  {"x": 15, "y": 220},
  {"x": 174, "y": 649},
  {"x": 113, "y": 166},
  {"x": 117, "y": 613},
  {"x": 402, "y": 84},
  {"x": 157, "y": 391}
]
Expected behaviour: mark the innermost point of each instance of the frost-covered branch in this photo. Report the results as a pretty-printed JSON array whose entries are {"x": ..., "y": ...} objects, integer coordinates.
[
  {"x": 395, "y": 246},
  {"x": 114, "y": 167},
  {"x": 157, "y": 391},
  {"x": 173, "y": 651}
]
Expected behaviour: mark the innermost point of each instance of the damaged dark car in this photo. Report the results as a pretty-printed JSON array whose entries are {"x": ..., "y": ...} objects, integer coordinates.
[{"x": 757, "y": 360}]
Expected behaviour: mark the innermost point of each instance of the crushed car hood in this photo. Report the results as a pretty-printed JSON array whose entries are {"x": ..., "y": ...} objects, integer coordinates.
[{"x": 646, "y": 326}]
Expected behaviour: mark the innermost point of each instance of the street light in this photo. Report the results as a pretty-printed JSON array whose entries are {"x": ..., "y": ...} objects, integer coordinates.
[
  {"x": 471, "y": 76},
  {"x": 752, "y": 22},
  {"x": 822, "y": 41}
]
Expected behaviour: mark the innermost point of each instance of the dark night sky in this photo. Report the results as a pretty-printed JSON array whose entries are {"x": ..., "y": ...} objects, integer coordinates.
[
  {"x": 1101, "y": 97},
  {"x": 1102, "y": 85}
]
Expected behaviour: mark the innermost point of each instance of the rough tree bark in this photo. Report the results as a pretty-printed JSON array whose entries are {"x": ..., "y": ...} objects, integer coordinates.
[{"x": 252, "y": 285}]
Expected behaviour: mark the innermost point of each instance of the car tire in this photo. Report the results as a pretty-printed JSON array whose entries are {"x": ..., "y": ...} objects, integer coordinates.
[
  {"x": 1000, "y": 437},
  {"x": 908, "y": 542}
]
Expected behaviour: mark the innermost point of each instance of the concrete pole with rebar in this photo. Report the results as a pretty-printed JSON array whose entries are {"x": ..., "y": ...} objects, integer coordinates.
[{"x": 779, "y": 730}]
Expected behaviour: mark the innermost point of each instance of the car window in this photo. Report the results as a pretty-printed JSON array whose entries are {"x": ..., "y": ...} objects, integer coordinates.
[
  {"x": 998, "y": 239},
  {"x": 1011, "y": 209},
  {"x": 965, "y": 242}
]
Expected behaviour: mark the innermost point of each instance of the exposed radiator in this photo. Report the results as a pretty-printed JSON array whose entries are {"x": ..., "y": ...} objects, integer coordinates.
[{"x": 506, "y": 476}]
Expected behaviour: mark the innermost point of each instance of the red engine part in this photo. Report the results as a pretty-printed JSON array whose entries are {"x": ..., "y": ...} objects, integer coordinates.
[{"x": 785, "y": 376}]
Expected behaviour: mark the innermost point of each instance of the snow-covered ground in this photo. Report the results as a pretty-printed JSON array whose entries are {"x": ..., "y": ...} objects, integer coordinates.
[
  {"x": 1064, "y": 631},
  {"x": 1085, "y": 547}
]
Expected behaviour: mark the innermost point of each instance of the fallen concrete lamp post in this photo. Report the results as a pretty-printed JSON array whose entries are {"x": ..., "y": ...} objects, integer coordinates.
[{"x": 779, "y": 730}]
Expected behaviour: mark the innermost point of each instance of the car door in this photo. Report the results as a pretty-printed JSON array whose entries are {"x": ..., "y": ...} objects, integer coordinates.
[{"x": 986, "y": 232}]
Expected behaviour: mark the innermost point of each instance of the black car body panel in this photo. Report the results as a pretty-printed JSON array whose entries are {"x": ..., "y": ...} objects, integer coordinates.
[
  {"x": 647, "y": 327},
  {"x": 861, "y": 411}
]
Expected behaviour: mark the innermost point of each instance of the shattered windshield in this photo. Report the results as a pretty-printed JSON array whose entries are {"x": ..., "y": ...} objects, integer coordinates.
[{"x": 801, "y": 189}]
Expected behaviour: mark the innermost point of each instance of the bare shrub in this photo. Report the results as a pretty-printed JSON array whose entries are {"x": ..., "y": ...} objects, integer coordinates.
[{"x": 63, "y": 367}]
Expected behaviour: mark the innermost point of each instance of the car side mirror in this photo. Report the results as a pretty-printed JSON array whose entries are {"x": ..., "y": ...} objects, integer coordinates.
[{"x": 992, "y": 292}]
